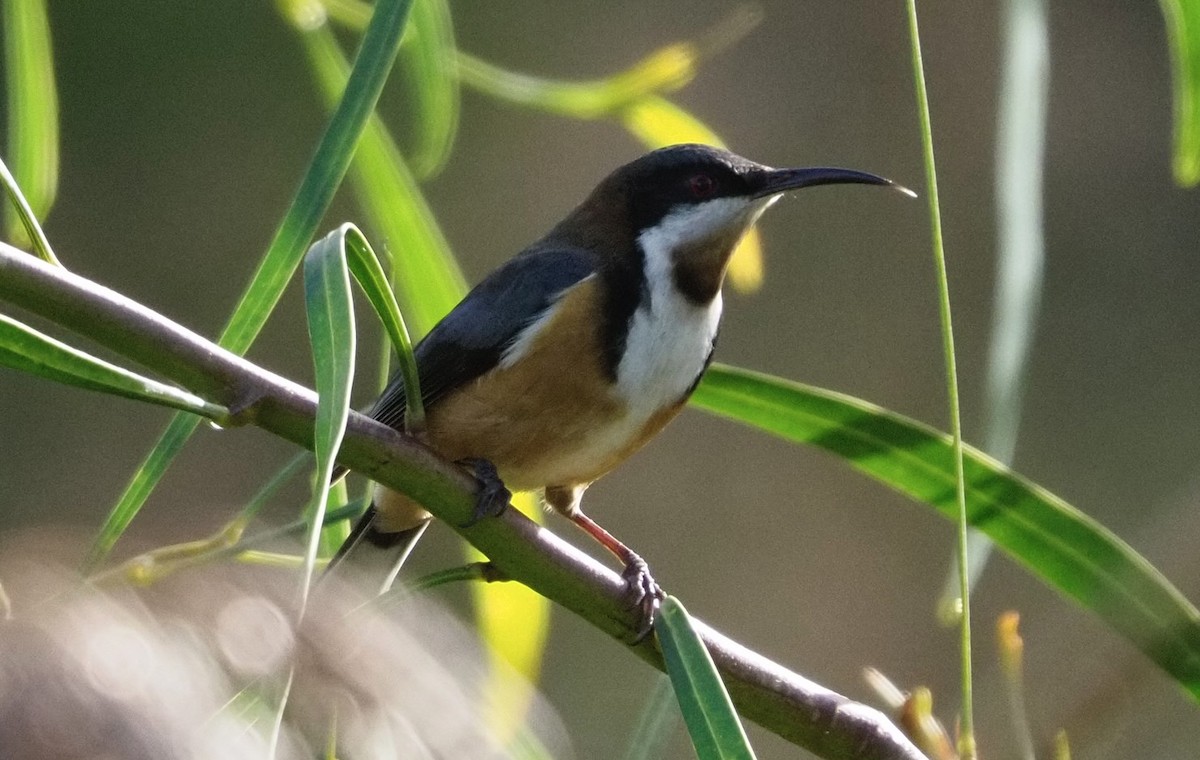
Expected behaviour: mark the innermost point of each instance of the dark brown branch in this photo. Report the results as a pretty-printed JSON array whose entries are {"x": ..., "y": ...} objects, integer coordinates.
[{"x": 782, "y": 701}]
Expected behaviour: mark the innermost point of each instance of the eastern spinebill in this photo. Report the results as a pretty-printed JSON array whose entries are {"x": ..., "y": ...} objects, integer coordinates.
[{"x": 571, "y": 356}]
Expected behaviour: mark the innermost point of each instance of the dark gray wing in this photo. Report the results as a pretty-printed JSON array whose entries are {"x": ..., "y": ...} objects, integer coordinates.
[{"x": 470, "y": 340}]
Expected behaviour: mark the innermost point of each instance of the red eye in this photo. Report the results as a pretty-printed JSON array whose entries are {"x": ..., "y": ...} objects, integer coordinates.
[{"x": 702, "y": 186}]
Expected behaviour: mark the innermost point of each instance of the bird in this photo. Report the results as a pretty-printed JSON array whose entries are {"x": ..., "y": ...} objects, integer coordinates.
[{"x": 572, "y": 355}]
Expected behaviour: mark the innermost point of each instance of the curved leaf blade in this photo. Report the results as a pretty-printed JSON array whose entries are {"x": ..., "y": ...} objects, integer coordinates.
[
  {"x": 1067, "y": 549},
  {"x": 26, "y": 218},
  {"x": 428, "y": 58},
  {"x": 365, "y": 267},
  {"x": 668, "y": 68},
  {"x": 1183, "y": 35},
  {"x": 32, "y": 113},
  {"x": 331, "y": 334},
  {"x": 712, "y": 723},
  {"x": 328, "y": 266}
]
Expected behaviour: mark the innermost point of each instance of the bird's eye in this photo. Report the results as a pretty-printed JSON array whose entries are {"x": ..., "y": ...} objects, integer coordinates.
[{"x": 702, "y": 186}]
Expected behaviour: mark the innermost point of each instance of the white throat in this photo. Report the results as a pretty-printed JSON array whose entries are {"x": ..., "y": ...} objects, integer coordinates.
[{"x": 671, "y": 337}]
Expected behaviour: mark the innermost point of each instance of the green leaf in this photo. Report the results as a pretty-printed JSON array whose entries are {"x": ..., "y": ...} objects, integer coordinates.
[
  {"x": 331, "y": 333},
  {"x": 712, "y": 723},
  {"x": 325, "y": 173},
  {"x": 26, "y": 217},
  {"x": 26, "y": 349},
  {"x": 334, "y": 533},
  {"x": 427, "y": 57},
  {"x": 32, "y": 113},
  {"x": 668, "y": 68},
  {"x": 425, "y": 273},
  {"x": 1066, "y": 548},
  {"x": 1183, "y": 35},
  {"x": 340, "y": 253},
  {"x": 366, "y": 269},
  {"x": 355, "y": 255}
]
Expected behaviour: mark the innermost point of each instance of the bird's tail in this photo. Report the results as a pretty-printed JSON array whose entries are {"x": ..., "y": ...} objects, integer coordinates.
[{"x": 373, "y": 554}]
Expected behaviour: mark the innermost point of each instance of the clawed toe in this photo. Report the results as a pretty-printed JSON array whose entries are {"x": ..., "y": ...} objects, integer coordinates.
[
  {"x": 645, "y": 595},
  {"x": 493, "y": 497}
]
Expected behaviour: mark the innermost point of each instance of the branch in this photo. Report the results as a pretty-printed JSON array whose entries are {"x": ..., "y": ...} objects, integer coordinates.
[{"x": 780, "y": 700}]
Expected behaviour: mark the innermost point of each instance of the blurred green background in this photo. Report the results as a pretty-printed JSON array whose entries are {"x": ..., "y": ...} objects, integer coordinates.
[{"x": 185, "y": 129}]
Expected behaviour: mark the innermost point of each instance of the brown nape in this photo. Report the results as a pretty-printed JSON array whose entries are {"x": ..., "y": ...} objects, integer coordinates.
[{"x": 699, "y": 267}]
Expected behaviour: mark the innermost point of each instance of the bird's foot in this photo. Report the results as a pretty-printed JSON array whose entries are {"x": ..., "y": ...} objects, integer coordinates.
[
  {"x": 645, "y": 595},
  {"x": 493, "y": 497}
]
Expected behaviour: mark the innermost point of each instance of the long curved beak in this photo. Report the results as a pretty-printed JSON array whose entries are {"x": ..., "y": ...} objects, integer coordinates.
[{"x": 776, "y": 181}]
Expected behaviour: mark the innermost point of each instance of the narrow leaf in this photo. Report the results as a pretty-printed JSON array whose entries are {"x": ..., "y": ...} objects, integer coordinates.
[
  {"x": 427, "y": 57},
  {"x": 26, "y": 218},
  {"x": 343, "y": 252},
  {"x": 1067, "y": 549},
  {"x": 1183, "y": 36},
  {"x": 712, "y": 723},
  {"x": 26, "y": 349},
  {"x": 365, "y": 266},
  {"x": 331, "y": 333},
  {"x": 668, "y": 68},
  {"x": 426, "y": 276},
  {"x": 32, "y": 113},
  {"x": 325, "y": 172},
  {"x": 334, "y": 534}
]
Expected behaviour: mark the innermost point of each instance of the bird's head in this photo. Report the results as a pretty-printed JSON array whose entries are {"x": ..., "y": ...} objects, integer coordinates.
[{"x": 687, "y": 206}]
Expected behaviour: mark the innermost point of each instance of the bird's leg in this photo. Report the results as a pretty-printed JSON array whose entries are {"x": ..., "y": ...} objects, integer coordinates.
[
  {"x": 493, "y": 496},
  {"x": 645, "y": 594},
  {"x": 644, "y": 591}
]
